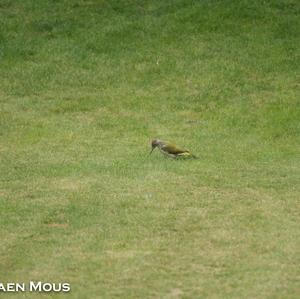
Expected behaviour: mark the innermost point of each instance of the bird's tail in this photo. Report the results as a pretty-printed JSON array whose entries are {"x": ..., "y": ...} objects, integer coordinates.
[{"x": 188, "y": 155}]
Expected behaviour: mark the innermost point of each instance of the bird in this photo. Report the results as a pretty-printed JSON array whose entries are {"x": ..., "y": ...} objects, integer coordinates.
[{"x": 170, "y": 149}]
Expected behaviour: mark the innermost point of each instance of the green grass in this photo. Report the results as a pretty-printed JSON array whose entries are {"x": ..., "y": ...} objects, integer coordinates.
[{"x": 86, "y": 85}]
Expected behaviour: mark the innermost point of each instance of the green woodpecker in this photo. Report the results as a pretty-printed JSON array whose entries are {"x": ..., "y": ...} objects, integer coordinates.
[{"x": 170, "y": 150}]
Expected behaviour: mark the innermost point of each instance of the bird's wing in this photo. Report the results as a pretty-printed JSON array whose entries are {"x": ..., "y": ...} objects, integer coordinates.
[{"x": 173, "y": 149}]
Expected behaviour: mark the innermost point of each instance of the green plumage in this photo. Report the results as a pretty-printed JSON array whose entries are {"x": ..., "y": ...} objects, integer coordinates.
[{"x": 170, "y": 149}]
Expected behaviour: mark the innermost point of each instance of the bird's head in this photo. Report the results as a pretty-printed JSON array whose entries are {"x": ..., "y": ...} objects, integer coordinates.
[{"x": 154, "y": 144}]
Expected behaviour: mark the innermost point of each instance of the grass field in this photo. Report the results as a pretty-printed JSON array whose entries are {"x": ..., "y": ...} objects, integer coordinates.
[{"x": 86, "y": 85}]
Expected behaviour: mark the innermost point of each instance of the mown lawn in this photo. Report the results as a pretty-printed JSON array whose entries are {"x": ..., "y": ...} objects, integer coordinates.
[{"x": 86, "y": 85}]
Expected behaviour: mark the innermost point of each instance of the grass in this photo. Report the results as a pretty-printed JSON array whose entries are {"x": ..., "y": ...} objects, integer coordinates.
[{"x": 86, "y": 85}]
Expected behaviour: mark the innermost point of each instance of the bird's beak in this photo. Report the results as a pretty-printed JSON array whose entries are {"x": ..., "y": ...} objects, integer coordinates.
[{"x": 152, "y": 150}]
